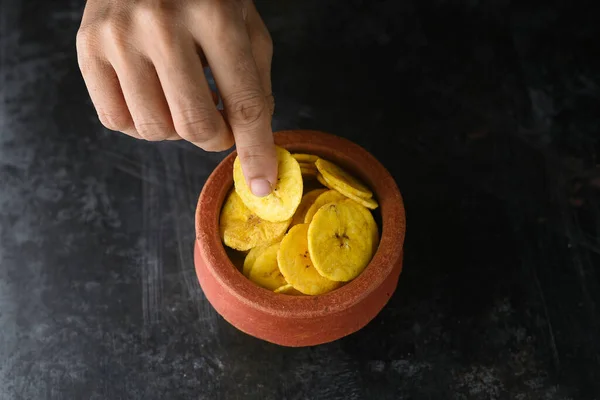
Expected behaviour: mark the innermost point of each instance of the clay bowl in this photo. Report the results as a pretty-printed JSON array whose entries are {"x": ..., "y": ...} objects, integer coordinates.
[{"x": 301, "y": 320}]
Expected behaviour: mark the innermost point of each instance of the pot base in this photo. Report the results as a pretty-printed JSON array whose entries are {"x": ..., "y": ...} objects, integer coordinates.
[{"x": 292, "y": 331}]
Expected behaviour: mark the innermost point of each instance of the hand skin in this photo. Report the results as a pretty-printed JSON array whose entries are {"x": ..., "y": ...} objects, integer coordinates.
[{"x": 142, "y": 62}]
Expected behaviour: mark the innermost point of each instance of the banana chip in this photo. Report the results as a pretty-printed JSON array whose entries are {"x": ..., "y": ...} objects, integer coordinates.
[
  {"x": 305, "y": 158},
  {"x": 241, "y": 229},
  {"x": 288, "y": 289},
  {"x": 251, "y": 258},
  {"x": 265, "y": 271},
  {"x": 340, "y": 240},
  {"x": 307, "y": 200},
  {"x": 322, "y": 180},
  {"x": 373, "y": 228},
  {"x": 326, "y": 197},
  {"x": 296, "y": 266},
  {"x": 344, "y": 182},
  {"x": 281, "y": 204},
  {"x": 370, "y": 203}
]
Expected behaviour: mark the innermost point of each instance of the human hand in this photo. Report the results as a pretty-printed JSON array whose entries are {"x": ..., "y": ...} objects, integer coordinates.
[{"x": 142, "y": 62}]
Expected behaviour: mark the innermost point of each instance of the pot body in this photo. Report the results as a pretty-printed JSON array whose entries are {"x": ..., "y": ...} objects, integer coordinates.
[
  {"x": 302, "y": 320},
  {"x": 289, "y": 330}
]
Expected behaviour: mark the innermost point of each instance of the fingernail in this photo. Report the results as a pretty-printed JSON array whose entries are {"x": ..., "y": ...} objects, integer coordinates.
[{"x": 260, "y": 187}]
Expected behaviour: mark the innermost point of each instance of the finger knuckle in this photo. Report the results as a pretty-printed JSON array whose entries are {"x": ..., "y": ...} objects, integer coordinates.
[
  {"x": 153, "y": 130},
  {"x": 265, "y": 41},
  {"x": 116, "y": 31},
  {"x": 253, "y": 157},
  {"x": 115, "y": 121},
  {"x": 196, "y": 125},
  {"x": 86, "y": 40},
  {"x": 87, "y": 54},
  {"x": 222, "y": 13},
  {"x": 246, "y": 108},
  {"x": 253, "y": 151},
  {"x": 154, "y": 15},
  {"x": 156, "y": 19}
]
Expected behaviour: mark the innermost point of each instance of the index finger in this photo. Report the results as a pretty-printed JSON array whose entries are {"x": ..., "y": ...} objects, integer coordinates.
[{"x": 224, "y": 39}]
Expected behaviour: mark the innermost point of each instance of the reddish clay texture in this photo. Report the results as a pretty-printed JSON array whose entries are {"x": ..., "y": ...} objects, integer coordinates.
[{"x": 301, "y": 320}]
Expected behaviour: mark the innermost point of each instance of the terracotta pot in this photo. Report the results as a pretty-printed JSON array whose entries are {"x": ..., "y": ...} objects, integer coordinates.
[{"x": 301, "y": 320}]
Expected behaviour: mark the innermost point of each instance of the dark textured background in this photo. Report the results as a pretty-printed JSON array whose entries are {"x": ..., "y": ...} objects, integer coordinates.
[{"x": 487, "y": 114}]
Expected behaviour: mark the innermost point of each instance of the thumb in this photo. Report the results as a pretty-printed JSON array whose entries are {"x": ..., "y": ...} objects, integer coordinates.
[{"x": 256, "y": 149}]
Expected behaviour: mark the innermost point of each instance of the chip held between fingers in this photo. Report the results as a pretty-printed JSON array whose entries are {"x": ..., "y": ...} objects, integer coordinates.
[
  {"x": 259, "y": 164},
  {"x": 281, "y": 203}
]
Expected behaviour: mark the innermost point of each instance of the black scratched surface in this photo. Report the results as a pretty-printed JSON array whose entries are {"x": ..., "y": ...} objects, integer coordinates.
[{"x": 487, "y": 114}]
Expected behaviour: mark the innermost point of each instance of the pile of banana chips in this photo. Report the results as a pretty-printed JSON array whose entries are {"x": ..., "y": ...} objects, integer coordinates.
[{"x": 313, "y": 233}]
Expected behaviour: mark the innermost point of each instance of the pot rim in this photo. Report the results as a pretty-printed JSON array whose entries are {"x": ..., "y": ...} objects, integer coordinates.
[{"x": 348, "y": 155}]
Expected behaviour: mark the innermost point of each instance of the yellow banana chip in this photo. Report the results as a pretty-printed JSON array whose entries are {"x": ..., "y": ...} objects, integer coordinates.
[
  {"x": 340, "y": 240},
  {"x": 288, "y": 289},
  {"x": 251, "y": 258},
  {"x": 307, "y": 200},
  {"x": 265, "y": 272},
  {"x": 281, "y": 204},
  {"x": 242, "y": 230},
  {"x": 369, "y": 203},
  {"x": 296, "y": 266},
  {"x": 333, "y": 173},
  {"x": 329, "y": 196},
  {"x": 322, "y": 180},
  {"x": 373, "y": 228},
  {"x": 305, "y": 158}
]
